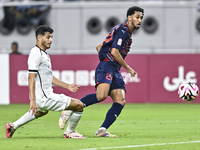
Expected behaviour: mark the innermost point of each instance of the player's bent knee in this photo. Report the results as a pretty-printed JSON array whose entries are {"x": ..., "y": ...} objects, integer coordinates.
[
  {"x": 102, "y": 92},
  {"x": 121, "y": 102},
  {"x": 75, "y": 105},
  {"x": 79, "y": 107},
  {"x": 40, "y": 114},
  {"x": 101, "y": 97}
]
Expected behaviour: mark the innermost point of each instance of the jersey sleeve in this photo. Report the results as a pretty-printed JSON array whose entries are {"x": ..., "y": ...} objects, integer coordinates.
[
  {"x": 34, "y": 61},
  {"x": 119, "y": 38}
]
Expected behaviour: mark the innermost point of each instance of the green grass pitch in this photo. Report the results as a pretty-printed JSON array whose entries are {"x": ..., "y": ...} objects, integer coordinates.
[{"x": 139, "y": 127}]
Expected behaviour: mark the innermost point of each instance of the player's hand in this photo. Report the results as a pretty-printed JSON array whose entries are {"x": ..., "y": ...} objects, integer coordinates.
[
  {"x": 74, "y": 87},
  {"x": 132, "y": 72},
  {"x": 33, "y": 107}
]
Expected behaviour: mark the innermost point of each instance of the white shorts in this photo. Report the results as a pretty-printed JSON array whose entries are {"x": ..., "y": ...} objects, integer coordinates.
[{"x": 54, "y": 102}]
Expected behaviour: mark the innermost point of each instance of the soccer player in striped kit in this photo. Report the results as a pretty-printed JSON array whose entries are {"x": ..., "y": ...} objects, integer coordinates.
[{"x": 109, "y": 81}]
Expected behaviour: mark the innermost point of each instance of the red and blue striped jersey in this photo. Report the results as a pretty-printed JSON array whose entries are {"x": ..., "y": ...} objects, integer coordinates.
[{"x": 120, "y": 38}]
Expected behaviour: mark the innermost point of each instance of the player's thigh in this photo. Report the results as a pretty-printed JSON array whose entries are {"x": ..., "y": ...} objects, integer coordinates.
[
  {"x": 102, "y": 91},
  {"x": 75, "y": 105},
  {"x": 118, "y": 96},
  {"x": 118, "y": 81},
  {"x": 103, "y": 80},
  {"x": 54, "y": 102}
]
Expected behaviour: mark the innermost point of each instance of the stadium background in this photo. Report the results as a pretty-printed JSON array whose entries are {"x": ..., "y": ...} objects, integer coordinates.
[{"x": 164, "y": 52}]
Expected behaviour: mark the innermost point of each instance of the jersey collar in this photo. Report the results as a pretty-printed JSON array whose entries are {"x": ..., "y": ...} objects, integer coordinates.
[
  {"x": 128, "y": 28},
  {"x": 41, "y": 49}
]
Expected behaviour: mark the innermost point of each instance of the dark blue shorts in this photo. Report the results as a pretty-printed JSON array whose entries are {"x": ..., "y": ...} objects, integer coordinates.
[{"x": 109, "y": 72}]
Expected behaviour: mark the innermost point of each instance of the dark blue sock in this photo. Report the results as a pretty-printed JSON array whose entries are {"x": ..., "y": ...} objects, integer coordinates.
[
  {"x": 112, "y": 115},
  {"x": 89, "y": 99}
]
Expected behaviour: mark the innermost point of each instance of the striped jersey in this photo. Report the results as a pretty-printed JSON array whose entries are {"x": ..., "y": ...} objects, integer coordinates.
[
  {"x": 120, "y": 37},
  {"x": 39, "y": 62}
]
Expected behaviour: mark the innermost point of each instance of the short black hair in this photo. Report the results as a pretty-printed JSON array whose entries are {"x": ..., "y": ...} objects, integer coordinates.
[
  {"x": 132, "y": 10},
  {"x": 42, "y": 30},
  {"x": 14, "y": 43}
]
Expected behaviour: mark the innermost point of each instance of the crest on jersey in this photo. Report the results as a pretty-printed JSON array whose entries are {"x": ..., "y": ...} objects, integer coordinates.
[{"x": 119, "y": 42}]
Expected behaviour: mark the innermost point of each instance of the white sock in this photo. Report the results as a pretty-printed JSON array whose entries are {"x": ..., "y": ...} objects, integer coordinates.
[
  {"x": 73, "y": 121},
  {"x": 27, "y": 117}
]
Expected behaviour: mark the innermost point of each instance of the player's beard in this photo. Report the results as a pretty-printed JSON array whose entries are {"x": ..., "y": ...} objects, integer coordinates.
[
  {"x": 135, "y": 27},
  {"x": 46, "y": 45}
]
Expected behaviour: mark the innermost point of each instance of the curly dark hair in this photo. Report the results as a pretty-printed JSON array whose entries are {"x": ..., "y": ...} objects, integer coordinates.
[{"x": 132, "y": 10}]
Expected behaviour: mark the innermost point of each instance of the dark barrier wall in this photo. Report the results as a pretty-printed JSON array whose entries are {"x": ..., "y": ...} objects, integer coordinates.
[{"x": 157, "y": 80}]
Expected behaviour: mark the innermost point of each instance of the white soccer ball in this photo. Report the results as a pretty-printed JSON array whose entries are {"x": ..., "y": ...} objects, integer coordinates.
[{"x": 188, "y": 91}]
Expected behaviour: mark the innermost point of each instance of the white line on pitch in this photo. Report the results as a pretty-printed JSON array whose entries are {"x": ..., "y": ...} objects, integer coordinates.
[
  {"x": 149, "y": 121},
  {"x": 132, "y": 146}
]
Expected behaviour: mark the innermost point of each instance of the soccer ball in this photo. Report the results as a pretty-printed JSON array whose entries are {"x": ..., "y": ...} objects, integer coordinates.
[{"x": 188, "y": 91}]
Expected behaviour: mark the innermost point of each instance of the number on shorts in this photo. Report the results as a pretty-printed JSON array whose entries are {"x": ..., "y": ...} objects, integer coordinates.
[{"x": 108, "y": 76}]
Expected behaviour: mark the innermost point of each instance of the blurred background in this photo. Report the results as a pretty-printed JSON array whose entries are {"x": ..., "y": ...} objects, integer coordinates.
[
  {"x": 164, "y": 52},
  {"x": 169, "y": 26}
]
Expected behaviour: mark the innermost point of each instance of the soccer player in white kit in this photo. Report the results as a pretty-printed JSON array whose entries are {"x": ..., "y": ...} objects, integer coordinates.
[{"x": 42, "y": 98}]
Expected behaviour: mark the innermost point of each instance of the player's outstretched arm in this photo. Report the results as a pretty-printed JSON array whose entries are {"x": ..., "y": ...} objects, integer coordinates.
[
  {"x": 99, "y": 47},
  {"x": 31, "y": 85},
  {"x": 115, "y": 53},
  {"x": 71, "y": 87}
]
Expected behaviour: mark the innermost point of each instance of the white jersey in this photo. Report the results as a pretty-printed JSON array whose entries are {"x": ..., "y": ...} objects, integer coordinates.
[{"x": 39, "y": 62}]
